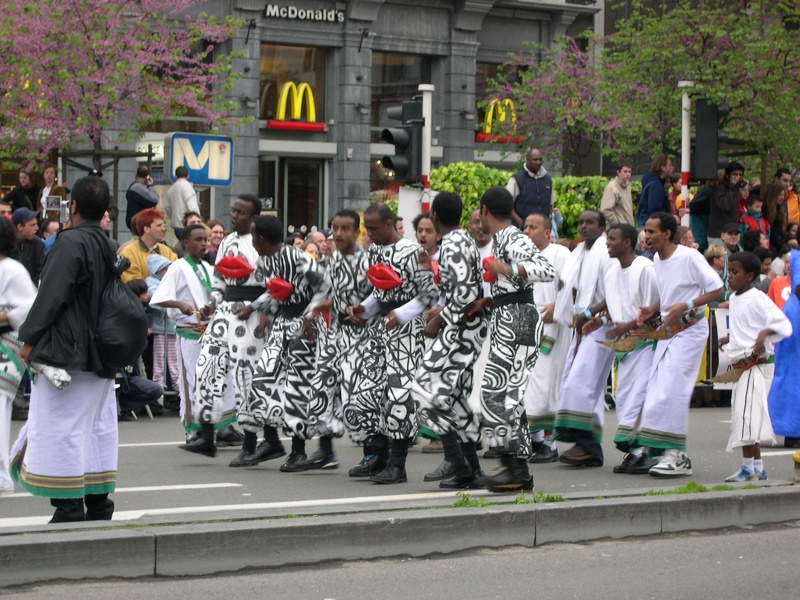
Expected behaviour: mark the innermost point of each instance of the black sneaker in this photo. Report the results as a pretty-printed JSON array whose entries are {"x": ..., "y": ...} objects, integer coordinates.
[
  {"x": 642, "y": 465},
  {"x": 462, "y": 483},
  {"x": 492, "y": 453},
  {"x": 369, "y": 465},
  {"x": 448, "y": 470},
  {"x": 228, "y": 436},
  {"x": 545, "y": 454},
  {"x": 294, "y": 458},
  {"x": 318, "y": 460}
]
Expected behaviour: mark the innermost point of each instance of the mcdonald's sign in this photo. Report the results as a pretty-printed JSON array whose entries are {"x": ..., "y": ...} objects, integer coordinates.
[
  {"x": 503, "y": 110},
  {"x": 294, "y": 97}
]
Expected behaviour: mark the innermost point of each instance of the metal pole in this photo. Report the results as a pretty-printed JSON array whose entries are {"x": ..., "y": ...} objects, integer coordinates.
[
  {"x": 686, "y": 144},
  {"x": 427, "y": 131}
]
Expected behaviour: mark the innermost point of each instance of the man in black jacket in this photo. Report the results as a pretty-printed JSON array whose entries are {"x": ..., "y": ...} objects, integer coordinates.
[
  {"x": 30, "y": 247},
  {"x": 71, "y": 454}
]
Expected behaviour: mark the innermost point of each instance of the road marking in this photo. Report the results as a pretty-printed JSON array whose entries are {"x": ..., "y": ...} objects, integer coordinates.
[
  {"x": 175, "y": 443},
  {"x": 153, "y": 488},
  {"x": 777, "y": 452},
  {"x": 130, "y": 515}
]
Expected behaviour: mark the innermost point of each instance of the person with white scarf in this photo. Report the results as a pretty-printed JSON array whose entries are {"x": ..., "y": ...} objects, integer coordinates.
[{"x": 579, "y": 418}]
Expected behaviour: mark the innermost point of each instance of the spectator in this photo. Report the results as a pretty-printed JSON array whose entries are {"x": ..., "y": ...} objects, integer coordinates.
[
  {"x": 717, "y": 257},
  {"x": 5, "y": 208},
  {"x": 763, "y": 281},
  {"x": 48, "y": 228},
  {"x": 653, "y": 197},
  {"x": 532, "y": 189},
  {"x": 321, "y": 241},
  {"x": 17, "y": 294},
  {"x": 140, "y": 194},
  {"x": 295, "y": 240},
  {"x": 311, "y": 249},
  {"x": 217, "y": 233},
  {"x": 181, "y": 199},
  {"x": 791, "y": 230},
  {"x": 165, "y": 350},
  {"x": 781, "y": 287},
  {"x": 26, "y": 194},
  {"x": 774, "y": 208},
  {"x": 725, "y": 202},
  {"x": 753, "y": 219},
  {"x": 730, "y": 238},
  {"x": 51, "y": 188},
  {"x": 791, "y": 210},
  {"x": 752, "y": 240},
  {"x": 642, "y": 249},
  {"x": 152, "y": 232},
  {"x": 30, "y": 248},
  {"x": 685, "y": 237},
  {"x": 71, "y": 452},
  {"x": 698, "y": 213},
  {"x": 617, "y": 205},
  {"x": 105, "y": 225}
]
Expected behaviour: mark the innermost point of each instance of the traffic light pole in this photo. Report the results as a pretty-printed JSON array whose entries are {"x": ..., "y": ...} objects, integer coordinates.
[
  {"x": 426, "y": 90},
  {"x": 686, "y": 141}
]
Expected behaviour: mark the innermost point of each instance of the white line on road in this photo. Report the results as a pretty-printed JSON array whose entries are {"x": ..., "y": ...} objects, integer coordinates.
[
  {"x": 130, "y": 515},
  {"x": 153, "y": 488},
  {"x": 777, "y": 452},
  {"x": 175, "y": 443}
]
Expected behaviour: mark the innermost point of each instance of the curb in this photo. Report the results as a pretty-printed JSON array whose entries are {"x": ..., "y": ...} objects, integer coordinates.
[{"x": 256, "y": 541}]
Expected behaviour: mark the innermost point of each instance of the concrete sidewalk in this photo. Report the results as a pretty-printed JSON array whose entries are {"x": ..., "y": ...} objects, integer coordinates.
[{"x": 220, "y": 542}]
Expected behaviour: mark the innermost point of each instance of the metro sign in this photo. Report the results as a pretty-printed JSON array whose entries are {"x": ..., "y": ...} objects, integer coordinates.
[{"x": 208, "y": 158}]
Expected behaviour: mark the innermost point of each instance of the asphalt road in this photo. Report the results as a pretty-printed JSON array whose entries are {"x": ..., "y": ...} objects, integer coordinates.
[
  {"x": 733, "y": 563},
  {"x": 156, "y": 478}
]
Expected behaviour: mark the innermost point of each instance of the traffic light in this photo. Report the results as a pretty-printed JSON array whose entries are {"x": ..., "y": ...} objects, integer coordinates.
[
  {"x": 407, "y": 140},
  {"x": 707, "y": 139}
]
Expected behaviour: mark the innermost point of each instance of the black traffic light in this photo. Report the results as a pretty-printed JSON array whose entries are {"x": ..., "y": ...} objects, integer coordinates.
[
  {"x": 407, "y": 140},
  {"x": 707, "y": 139}
]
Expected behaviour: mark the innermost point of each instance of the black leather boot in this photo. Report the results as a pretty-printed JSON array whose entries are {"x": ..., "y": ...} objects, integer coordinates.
[
  {"x": 513, "y": 478},
  {"x": 376, "y": 457},
  {"x": 395, "y": 471},
  {"x": 204, "y": 444},
  {"x": 454, "y": 463}
]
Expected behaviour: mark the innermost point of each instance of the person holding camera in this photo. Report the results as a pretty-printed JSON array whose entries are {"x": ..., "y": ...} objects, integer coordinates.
[
  {"x": 724, "y": 206},
  {"x": 141, "y": 194}
]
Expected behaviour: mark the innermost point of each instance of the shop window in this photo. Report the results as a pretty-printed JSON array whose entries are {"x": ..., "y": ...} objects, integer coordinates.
[
  {"x": 282, "y": 65},
  {"x": 395, "y": 78}
]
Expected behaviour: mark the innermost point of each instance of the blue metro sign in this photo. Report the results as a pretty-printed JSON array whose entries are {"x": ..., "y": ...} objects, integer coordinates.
[{"x": 208, "y": 158}]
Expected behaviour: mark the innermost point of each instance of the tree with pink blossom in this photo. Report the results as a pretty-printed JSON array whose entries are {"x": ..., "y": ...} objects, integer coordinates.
[{"x": 79, "y": 72}]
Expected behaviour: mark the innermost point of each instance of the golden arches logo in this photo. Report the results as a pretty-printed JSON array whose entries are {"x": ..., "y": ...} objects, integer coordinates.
[
  {"x": 299, "y": 95},
  {"x": 502, "y": 109}
]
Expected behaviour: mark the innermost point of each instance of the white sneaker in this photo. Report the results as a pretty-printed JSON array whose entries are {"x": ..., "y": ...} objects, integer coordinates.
[{"x": 673, "y": 463}]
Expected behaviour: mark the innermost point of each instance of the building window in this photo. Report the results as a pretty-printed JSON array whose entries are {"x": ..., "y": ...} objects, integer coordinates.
[
  {"x": 395, "y": 78},
  {"x": 281, "y": 65}
]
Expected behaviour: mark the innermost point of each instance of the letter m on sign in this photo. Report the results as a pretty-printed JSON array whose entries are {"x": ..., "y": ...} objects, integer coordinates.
[{"x": 208, "y": 158}]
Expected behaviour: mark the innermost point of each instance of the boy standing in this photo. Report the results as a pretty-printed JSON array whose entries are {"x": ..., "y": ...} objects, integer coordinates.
[{"x": 755, "y": 324}]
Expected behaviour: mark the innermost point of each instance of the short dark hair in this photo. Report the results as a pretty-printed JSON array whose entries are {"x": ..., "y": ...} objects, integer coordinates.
[
  {"x": 762, "y": 253},
  {"x": 749, "y": 261},
  {"x": 349, "y": 214},
  {"x": 255, "y": 202},
  {"x": 751, "y": 199},
  {"x": 143, "y": 171},
  {"x": 666, "y": 222},
  {"x": 751, "y": 240},
  {"x": 498, "y": 202},
  {"x": 424, "y": 215},
  {"x": 383, "y": 211},
  {"x": 187, "y": 231},
  {"x": 601, "y": 218},
  {"x": 91, "y": 197},
  {"x": 45, "y": 223},
  {"x": 448, "y": 208},
  {"x": 781, "y": 172},
  {"x": 137, "y": 286},
  {"x": 181, "y": 172},
  {"x": 270, "y": 228},
  {"x": 628, "y": 232},
  {"x": 624, "y": 163},
  {"x": 8, "y": 237},
  {"x": 190, "y": 213},
  {"x": 734, "y": 166},
  {"x": 546, "y": 220}
]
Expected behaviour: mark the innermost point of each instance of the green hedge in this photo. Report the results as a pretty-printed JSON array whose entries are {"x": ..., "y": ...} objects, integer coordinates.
[{"x": 573, "y": 194}]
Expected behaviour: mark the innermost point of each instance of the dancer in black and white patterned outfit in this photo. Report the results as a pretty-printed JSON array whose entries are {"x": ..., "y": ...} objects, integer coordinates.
[
  {"x": 283, "y": 374},
  {"x": 348, "y": 385},
  {"x": 403, "y": 290},
  {"x": 233, "y": 340},
  {"x": 445, "y": 375},
  {"x": 515, "y": 331}
]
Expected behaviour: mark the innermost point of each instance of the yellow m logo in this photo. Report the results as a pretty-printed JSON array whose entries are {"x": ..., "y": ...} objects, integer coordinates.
[
  {"x": 501, "y": 108},
  {"x": 299, "y": 95}
]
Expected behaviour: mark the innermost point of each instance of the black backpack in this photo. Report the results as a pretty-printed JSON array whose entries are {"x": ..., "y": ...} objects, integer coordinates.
[{"x": 120, "y": 335}]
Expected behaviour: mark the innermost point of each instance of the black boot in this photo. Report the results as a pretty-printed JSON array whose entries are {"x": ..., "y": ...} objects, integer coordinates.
[
  {"x": 470, "y": 452},
  {"x": 98, "y": 507},
  {"x": 246, "y": 454},
  {"x": 204, "y": 444},
  {"x": 376, "y": 457},
  {"x": 323, "y": 457},
  {"x": 395, "y": 471},
  {"x": 298, "y": 455},
  {"x": 271, "y": 447},
  {"x": 513, "y": 478},
  {"x": 68, "y": 510},
  {"x": 454, "y": 463},
  {"x": 228, "y": 436}
]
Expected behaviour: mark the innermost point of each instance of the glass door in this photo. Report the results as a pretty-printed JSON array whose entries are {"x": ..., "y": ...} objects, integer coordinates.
[
  {"x": 302, "y": 199},
  {"x": 268, "y": 185}
]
